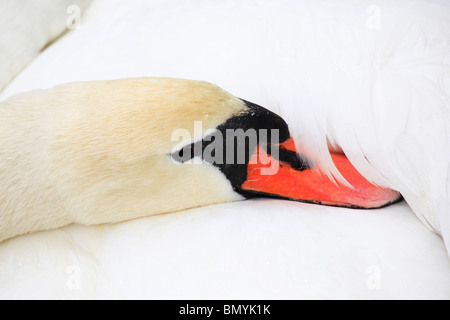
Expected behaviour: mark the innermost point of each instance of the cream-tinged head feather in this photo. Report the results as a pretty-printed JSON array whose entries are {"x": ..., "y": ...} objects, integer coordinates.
[
  {"x": 99, "y": 152},
  {"x": 106, "y": 152}
]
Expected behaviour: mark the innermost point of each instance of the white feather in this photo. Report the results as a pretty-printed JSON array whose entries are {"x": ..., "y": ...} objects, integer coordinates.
[
  {"x": 373, "y": 78},
  {"x": 27, "y": 26},
  {"x": 388, "y": 105}
]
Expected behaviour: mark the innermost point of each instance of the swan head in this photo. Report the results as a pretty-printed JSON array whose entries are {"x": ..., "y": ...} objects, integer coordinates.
[
  {"x": 109, "y": 151},
  {"x": 253, "y": 149}
]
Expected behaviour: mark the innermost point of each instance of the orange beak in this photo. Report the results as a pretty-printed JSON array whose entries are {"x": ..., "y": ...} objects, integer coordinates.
[{"x": 309, "y": 185}]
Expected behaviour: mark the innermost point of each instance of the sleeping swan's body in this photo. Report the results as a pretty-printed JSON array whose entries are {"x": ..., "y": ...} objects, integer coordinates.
[{"x": 102, "y": 152}]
